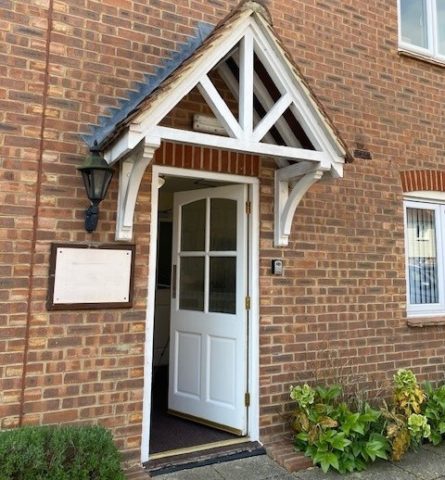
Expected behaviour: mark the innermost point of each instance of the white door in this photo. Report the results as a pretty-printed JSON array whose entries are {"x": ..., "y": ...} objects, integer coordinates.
[{"x": 208, "y": 330}]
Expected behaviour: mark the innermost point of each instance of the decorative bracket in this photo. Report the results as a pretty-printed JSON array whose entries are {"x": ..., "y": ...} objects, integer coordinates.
[
  {"x": 291, "y": 184},
  {"x": 132, "y": 170}
]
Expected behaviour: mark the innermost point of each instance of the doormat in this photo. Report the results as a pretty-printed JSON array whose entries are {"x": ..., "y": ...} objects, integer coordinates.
[{"x": 204, "y": 457}]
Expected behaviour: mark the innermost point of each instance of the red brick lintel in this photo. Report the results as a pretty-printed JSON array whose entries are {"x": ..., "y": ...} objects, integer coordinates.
[{"x": 423, "y": 180}]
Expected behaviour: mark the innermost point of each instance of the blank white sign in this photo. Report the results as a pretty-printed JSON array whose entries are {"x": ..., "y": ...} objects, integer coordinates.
[{"x": 91, "y": 275}]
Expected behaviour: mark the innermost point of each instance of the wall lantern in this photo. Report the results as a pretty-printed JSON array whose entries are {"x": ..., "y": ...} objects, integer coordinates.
[{"x": 97, "y": 176}]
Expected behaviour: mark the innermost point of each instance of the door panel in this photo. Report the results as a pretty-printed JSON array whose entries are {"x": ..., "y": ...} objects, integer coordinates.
[
  {"x": 188, "y": 349},
  {"x": 208, "y": 373},
  {"x": 220, "y": 376}
]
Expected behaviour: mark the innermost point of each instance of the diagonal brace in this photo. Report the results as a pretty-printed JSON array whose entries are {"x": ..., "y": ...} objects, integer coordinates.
[
  {"x": 291, "y": 184},
  {"x": 132, "y": 170}
]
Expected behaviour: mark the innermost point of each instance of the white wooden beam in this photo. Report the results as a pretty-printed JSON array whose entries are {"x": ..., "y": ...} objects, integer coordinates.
[
  {"x": 202, "y": 64},
  {"x": 246, "y": 84},
  {"x": 295, "y": 170},
  {"x": 132, "y": 170},
  {"x": 267, "y": 102},
  {"x": 337, "y": 168},
  {"x": 271, "y": 117},
  {"x": 233, "y": 86},
  {"x": 311, "y": 118},
  {"x": 219, "y": 107},
  {"x": 286, "y": 203},
  {"x": 126, "y": 142},
  {"x": 239, "y": 145}
]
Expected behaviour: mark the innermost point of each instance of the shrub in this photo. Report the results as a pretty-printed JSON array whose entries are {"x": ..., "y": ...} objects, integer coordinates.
[
  {"x": 332, "y": 434},
  {"x": 59, "y": 453},
  {"x": 435, "y": 412},
  {"x": 408, "y": 396},
  {"x": 335, "y": 435},
  {"x": 405, "y": 426}
]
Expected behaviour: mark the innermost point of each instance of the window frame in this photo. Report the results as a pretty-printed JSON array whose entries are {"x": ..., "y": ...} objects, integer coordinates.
[
  {"x": 438, "y": 206},
  {"x": 432, "y": 33}
]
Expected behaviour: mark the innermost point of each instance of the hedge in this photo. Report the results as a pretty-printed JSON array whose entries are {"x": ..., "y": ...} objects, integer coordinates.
[{"x": 59, "y": 453}]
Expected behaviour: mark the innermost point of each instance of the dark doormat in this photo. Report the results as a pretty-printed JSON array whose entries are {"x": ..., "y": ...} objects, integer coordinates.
[
  {"x": 204, "y": 457},
  {"x": 168, "y": 432}
]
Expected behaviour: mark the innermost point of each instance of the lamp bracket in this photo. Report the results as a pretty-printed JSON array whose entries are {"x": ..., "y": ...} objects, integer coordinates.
[
  {"x": 91, "y": 217},
  {"x": 131, "y": 172},
  {"x": 291, "y": 184}
]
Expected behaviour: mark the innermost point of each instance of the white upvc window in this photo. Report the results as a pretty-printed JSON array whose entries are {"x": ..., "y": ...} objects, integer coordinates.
[
  {"x": 422, "y": 27},
  {"x": 425, "y": 262}
]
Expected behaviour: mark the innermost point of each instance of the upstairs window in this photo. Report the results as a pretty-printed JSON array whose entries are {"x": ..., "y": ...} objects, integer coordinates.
[
  {"x": 425, "y": 262},
  {"x": 422, "y": 27}
]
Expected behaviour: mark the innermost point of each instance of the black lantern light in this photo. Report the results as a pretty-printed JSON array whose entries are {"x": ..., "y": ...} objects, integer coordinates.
[{"x": 96, "y": 175}]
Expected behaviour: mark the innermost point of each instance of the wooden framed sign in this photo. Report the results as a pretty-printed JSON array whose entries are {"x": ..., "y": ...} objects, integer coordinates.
[{"x": 86, "y": 277}]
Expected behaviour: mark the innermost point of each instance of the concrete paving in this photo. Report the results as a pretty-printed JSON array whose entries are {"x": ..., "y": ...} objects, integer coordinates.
[{"x": 428, "y": 463}]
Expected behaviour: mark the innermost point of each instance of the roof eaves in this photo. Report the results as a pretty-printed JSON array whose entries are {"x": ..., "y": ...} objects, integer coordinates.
[
  {"x": 175, "y": 75},
  {"x": 107, "y": 124},
  {"x": 111, "y": 126},
  {"x": 298, "y": 74}
]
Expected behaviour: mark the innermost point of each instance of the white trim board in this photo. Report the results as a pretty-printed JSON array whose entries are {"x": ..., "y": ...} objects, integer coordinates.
[{"x": 253, "y": 332}]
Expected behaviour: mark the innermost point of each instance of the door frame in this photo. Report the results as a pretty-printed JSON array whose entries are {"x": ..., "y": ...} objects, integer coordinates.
[{"x": 253, "y": 272}]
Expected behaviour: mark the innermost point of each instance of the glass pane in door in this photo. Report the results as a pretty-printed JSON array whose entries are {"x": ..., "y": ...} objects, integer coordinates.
[
  {"x": 222, "y": 224},
  {"x": 222, "y": 285},
  {"x": 191, "y": 284},
  {"x": 193, "y": 223}
]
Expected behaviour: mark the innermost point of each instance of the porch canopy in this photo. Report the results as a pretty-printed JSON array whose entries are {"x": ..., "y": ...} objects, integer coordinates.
[{"x": 261, "y": 105}]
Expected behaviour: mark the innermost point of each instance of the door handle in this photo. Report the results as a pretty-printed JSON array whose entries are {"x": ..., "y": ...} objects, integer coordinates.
[{"x": 173, "y": 282}]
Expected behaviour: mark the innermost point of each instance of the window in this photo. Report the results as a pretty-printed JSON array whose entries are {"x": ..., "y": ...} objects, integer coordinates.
[
  {"x": 422, "y": 27},
  {"x": 425, "y": 262}
]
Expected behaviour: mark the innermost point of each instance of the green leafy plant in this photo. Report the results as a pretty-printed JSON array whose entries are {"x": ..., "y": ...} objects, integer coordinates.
[
  {"x": 408, "y": 395},
  {"x": 397, "y": 432},
  {"x": 336, "y": 435},
  {"x": 333, "y": 435},
  {"x": 418, "y": 428},
  {"x": 59, "y": 453},
  {"x": 408, "y": 398},
  {"x": 435, "y": 411}
]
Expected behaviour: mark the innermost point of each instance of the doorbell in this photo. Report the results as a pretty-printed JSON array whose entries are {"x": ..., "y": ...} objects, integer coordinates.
[{"x": 277, "y": 267}]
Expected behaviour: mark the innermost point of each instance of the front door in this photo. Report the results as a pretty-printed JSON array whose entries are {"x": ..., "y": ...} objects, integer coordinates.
[{"x": 208, "y": 354}]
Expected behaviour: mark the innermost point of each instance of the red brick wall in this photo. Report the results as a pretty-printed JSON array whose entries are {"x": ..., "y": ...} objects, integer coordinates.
[
  {"x": 206, "y": 159},
  {"x": 62, "y": 64},
  {"x": 23, "y": 31},
  {"x": 343, "y": 292}
]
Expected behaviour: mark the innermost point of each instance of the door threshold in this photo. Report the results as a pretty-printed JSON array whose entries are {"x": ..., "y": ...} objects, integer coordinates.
[
  {"x": 197, "y": 448},
  {"x": 211, "y": 453}
]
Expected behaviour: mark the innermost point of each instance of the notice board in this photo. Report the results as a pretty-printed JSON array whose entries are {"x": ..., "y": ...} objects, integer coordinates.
[{"x": 90, "y": 277}]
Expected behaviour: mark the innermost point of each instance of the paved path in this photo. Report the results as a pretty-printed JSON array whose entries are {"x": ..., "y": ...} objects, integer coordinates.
[{"x": 428, "y": 463}]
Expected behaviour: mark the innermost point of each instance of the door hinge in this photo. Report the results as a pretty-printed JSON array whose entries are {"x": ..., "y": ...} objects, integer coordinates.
[
  {"x": 247, "y": 302},
  {"x": 247, "y": 399},
  {"x": 248, "y": 207}
]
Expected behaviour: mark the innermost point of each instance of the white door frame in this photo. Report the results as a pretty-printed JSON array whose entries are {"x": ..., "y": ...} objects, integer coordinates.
[{"x": 253, "y": 331}]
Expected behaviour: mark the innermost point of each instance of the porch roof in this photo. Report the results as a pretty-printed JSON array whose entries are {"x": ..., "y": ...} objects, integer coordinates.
[{"x": 277, "y": 114}]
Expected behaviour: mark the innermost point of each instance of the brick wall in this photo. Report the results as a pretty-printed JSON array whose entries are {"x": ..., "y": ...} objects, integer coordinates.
[
  {"x": 206, "y": 159},
  {"x": 341, "y": 302},
  {"x": 23, "y": 33}
]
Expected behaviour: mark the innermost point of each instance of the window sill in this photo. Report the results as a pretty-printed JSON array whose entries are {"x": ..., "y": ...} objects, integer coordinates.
[
  {"x": 423, "y": 58},
  {"x": 426, "y": 321}
]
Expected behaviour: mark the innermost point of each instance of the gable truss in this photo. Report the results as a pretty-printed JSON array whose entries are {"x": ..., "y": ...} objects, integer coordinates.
[{"x": 260, "y": 126}]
